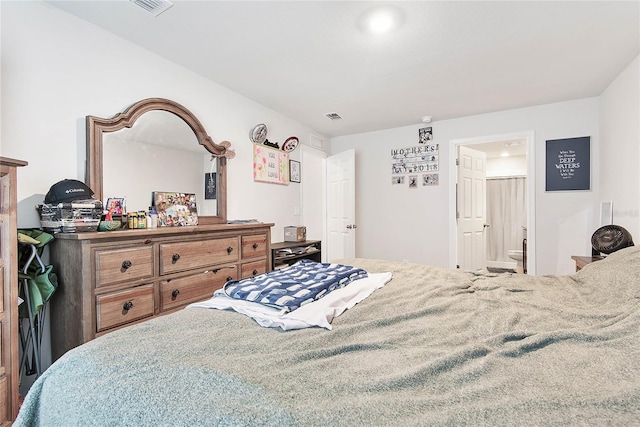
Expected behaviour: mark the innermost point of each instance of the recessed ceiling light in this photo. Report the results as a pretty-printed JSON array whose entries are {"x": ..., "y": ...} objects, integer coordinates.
[
  {"x": 426, "y": 119},
  {"x": 381, "y": 20},
  {"x": 504, "y": 154}
]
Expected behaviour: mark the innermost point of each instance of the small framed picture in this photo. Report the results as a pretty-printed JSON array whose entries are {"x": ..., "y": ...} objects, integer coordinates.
[
  {"x": 294, "y": 171},
  {"x": 116, "y": 206},
  {"x": 175, "y": 209}
]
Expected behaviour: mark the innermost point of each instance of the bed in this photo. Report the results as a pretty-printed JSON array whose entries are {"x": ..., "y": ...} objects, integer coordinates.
[{"x": 434, "y": 346}]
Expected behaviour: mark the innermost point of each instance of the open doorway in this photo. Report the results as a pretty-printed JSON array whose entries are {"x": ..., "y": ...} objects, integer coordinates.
[{"x": 510, "y": 201}]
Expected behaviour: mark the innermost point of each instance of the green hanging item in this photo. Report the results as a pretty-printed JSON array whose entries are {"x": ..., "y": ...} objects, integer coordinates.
[
  {"x": 40, "y": 279},
  {"x": 41, "y": 288}
]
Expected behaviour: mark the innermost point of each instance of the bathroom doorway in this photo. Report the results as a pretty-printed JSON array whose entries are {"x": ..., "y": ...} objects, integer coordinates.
[{"x": 510, "y": 199}]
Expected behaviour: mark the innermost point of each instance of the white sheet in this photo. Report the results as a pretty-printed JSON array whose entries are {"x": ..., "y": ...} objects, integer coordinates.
[{"x": 318, "y": 313}]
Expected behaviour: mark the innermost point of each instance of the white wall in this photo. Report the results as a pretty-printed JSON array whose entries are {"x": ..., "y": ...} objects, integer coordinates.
[
  {"x": 400, "y": 223},
  {"x": 620, "y": 149},
  {"x": 57, "y": 69}
]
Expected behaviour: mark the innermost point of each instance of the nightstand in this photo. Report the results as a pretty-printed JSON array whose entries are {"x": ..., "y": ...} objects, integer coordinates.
[
  {"x": 581, "y": 261},
  {"x": 284, "y": 254}
]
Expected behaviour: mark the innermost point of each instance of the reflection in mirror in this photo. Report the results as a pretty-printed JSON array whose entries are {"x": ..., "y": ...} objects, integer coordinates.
[
  {"x": 157, "y": 145},
  {"x": 172, "y": 157}
]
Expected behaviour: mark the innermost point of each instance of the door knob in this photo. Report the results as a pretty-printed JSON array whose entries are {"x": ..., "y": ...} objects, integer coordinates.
[{"x": 486, "y": 225}]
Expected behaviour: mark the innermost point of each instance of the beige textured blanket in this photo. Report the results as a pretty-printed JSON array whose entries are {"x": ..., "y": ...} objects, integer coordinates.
[{"x": 433, "y": 347}]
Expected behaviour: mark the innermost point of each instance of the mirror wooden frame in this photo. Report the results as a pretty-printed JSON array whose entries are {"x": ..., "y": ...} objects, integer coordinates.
[{"x": 97, "y": 126}]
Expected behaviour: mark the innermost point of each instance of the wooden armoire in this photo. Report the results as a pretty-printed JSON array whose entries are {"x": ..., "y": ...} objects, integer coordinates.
[{"x": 9, "y": 372}]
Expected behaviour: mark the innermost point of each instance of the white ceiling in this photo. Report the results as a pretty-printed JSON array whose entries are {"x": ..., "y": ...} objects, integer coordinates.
[{"x": 445, "y": 59}]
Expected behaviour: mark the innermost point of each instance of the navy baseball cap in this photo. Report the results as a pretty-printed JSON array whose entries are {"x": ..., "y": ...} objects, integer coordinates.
[{"x": 67, "y": 190}]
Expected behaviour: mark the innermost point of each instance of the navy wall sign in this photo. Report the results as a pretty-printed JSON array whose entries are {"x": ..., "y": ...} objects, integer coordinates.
[{"x": 568, "y": 164}]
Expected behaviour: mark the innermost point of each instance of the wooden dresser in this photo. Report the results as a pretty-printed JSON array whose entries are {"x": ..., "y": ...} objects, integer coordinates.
[
  {"x": 108, "y": 280},
  {"x": 9, "y": 363}
]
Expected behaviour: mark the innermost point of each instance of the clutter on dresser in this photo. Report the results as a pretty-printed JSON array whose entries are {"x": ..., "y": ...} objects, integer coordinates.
[
  {"x": 76, "y": 217},
  {"x": 69, "y": 207}
]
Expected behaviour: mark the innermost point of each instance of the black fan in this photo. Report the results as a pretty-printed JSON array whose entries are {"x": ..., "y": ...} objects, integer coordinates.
[{"x": 610, "y": 238}]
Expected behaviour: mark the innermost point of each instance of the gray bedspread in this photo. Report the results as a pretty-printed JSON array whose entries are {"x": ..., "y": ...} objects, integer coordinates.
[{"x": 433, "y": 347}]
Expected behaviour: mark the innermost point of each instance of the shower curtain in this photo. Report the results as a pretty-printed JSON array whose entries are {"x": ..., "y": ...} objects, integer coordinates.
[{"x": 506, "y": 216}]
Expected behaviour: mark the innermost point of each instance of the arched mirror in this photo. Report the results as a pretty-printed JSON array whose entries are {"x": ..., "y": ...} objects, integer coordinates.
[{"x": 157, "y": 145}]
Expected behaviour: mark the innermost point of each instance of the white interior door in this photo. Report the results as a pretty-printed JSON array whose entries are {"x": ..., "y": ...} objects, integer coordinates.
[
  {"x": 313, "y": 194},
  {"x": 471, "y": 211},
  {"x": 341, "y": 189}
]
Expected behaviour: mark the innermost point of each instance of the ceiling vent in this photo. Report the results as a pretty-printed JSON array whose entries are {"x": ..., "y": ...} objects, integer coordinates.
[
  {"x": 333, "y": 116},
  {"x": 154, "y": 7}
]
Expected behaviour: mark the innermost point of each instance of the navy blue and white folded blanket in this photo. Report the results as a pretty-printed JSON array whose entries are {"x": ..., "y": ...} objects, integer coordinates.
[{"x": 303, "y": 282}]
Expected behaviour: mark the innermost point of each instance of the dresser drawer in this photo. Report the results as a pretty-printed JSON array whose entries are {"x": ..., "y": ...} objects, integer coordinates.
[
  {"x": 254, "y": 246},
  {"x": 118, "y": 308},
  {"x": 197, "y": 287},
  {"x": 119, "y": 265},
  {"x": 175, "y": 257},
  {"x": 251, "y": 269}
]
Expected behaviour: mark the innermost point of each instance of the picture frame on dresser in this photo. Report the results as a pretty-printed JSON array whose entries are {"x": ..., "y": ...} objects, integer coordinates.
[{"x": 175, "y": 209}]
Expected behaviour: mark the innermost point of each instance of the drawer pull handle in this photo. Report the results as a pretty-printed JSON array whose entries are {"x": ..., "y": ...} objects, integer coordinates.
[
  {"x": 255, "y": 272},
  {"x": 127, "y": 306},
  {"x": 229, "y": 278},
  {"x": 175, "y": 258},
  {"x": 126, "y": 264},
  {"x": 175, "y": 294},
  {"x": 229, "y": 250},
  {"x": 255, "y": 246}
]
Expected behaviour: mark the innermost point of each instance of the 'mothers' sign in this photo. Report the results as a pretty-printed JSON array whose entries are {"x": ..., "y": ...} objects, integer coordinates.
[{"x": 568, "y": 164}]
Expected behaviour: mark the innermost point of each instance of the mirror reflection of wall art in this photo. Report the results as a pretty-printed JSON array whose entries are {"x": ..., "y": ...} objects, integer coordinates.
[
  {"x": 270, "y": 165},
  {"x": 210, "y": 186},
  {"x": 294, "y": 171},
  {"x": 175, "y": 209}
]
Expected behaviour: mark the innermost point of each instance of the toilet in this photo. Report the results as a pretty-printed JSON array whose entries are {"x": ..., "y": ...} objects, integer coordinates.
[{"x": 518, "y": 256}]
